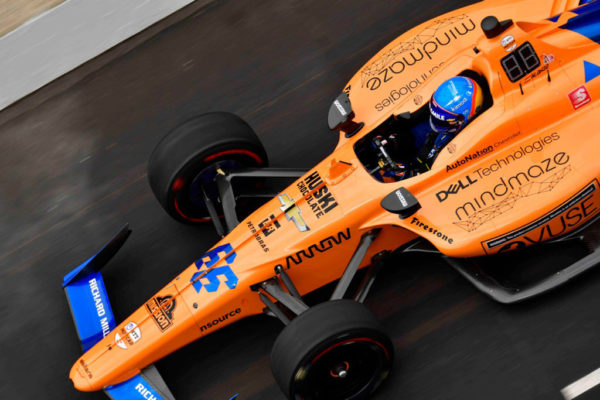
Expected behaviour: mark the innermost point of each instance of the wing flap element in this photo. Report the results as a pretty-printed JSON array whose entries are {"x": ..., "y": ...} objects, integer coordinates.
[
  {"x": 94, "y": 319},
  {"x": 147, "y": 385},
  {"x": 87, "y": 294}
]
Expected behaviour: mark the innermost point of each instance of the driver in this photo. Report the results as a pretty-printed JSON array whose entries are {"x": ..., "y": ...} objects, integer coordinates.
[
  {"x": 390, "y": 168},
  {"x": 455, "y": 103}
]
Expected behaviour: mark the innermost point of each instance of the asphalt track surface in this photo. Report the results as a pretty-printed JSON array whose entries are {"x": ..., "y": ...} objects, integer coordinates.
[{"x": 73, "y": 171}]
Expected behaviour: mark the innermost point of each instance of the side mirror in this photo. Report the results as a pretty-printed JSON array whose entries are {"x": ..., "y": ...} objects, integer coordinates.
[
  {"x": 341, "y": 116},
  {"x": 401, "y": 202}
]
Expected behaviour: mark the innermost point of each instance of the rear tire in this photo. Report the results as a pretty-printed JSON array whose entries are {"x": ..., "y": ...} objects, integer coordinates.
[
  {"x": 186, "y": 161},
  {"x": 336, "y": 350}
]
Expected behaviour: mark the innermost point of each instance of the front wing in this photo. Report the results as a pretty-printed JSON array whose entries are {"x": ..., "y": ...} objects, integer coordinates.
[{"x": 94, "y": 319}]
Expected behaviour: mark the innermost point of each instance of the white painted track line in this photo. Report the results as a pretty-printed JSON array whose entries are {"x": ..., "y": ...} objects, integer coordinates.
[
  {"x": 582, "y": 385},
  {"x": 62, "y": 38}
]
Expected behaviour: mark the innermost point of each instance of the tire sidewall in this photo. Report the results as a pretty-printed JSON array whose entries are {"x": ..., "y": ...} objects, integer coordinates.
[
  {"x": 183, "y": 152},
  {"x": 381, "y": 341},
  {"x": 190, "y": 170},
  {"x": 319, "y": 328}
]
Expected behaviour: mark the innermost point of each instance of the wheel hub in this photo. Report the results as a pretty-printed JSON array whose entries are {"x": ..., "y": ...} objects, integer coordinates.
[{"x": 340, "y": 371}]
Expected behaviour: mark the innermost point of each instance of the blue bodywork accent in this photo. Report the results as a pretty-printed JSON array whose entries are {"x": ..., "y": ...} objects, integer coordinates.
[
  {"x": 98, "y": 260},
  {"x": 555, "y": 18},
  {"x": 94, "y": 318},
  {"x": 87, "y": 295},
  {"x": 586, "y": 6},
  {"x": 578, "y": 10},
  {"x": 91, "y": 309},
  {"x": 136, "y": 388},
  {"x": 591, "y": 71},
  {"x": 587, "y": 21}
]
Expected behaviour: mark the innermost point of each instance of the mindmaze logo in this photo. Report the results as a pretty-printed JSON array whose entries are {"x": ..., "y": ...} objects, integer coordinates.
[
  {"x": 482, "y": 173},
  {"x": 161, "y": 309},
  {"x": 412, "y": 51},
  {"x": 525, "y": 178}
]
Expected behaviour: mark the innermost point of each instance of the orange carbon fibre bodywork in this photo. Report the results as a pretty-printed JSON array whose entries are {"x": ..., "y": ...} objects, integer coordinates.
[{"x": 524, "y": 171}]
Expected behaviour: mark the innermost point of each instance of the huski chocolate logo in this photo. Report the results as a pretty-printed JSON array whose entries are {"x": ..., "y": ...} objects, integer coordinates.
[
  {"x": 161, "y": 309},
  {"x": 317, "y": 195}
]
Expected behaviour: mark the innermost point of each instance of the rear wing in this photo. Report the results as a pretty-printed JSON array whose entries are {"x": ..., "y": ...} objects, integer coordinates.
[{"x": 94, "y": 319}]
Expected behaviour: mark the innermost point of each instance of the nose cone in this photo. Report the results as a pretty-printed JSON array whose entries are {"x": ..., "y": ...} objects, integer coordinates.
[{"x": 80, "y": 375}]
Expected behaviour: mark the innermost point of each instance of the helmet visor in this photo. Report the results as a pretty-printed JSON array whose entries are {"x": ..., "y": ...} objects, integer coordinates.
[
  {"x": 442, "y": 120},
  {"x": 448, "y": 125}
]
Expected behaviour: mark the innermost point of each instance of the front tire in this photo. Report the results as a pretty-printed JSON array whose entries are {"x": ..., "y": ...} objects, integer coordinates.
[
  {"x": 187, "y": 160},
  {"x": 336, "y": 350}
]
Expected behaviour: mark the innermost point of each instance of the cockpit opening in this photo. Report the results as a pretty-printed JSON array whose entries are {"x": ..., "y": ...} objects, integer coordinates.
[{"x": 407, "y": 144}]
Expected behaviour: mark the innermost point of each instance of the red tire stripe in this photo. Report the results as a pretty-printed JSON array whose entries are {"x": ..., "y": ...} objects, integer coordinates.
[
  {"x": 205, "y": 219},
  {"x": 363, "y": 339},
  {"x": 249, "y": 153},
  {"x": 178, "y": 184}
]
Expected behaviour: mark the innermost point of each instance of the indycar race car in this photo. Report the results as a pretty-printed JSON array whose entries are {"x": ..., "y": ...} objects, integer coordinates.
[{"x": 523, "y": 172}]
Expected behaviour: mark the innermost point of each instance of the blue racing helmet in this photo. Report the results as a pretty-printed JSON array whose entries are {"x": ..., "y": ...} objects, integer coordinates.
[{"x": 454, "y": 104}]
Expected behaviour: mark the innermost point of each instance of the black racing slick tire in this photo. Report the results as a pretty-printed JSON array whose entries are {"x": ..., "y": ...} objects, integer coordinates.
[
  {"x": 186, "y": 161},
  {"x": 336, "y": 350}
]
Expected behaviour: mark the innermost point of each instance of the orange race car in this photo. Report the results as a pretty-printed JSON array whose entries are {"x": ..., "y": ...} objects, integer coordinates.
[{"x": 469, "y": 135}]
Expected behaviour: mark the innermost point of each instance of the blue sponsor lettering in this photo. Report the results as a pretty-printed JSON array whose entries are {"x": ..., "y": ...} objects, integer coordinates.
[{"x": 206, "y": 272}]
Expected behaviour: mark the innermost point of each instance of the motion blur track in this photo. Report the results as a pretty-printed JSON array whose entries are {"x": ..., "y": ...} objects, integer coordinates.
[{"x": 72, "y": 166}]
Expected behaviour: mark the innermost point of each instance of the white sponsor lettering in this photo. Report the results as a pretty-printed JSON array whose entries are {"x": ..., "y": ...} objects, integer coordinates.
[
  {"x": 340, "y": 108},
  {"x": 462, "y": 102},
  {"x": 105, "y": 326},
  {"x": 437, "y": 115},
  {"x": 507, "y": 40},
  {"x": 401, "y": 198},
  {"x": 144, "y": 392},
  {"x": 97, "y": 298}
]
